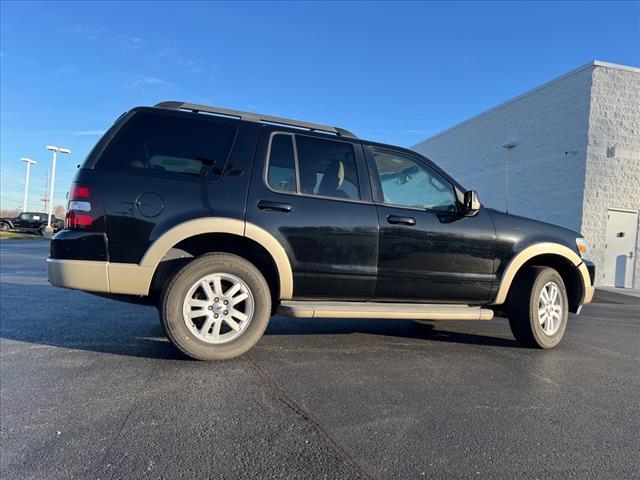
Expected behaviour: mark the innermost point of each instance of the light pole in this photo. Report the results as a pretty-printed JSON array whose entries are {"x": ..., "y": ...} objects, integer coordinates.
[
  {"x": 28, "y": 162},
  {"x": 48, "y": 230}
]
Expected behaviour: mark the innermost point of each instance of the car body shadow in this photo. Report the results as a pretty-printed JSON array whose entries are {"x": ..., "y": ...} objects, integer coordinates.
[
  {"x": 387, "y": 328},
  {"x": 75, "y": 320}
]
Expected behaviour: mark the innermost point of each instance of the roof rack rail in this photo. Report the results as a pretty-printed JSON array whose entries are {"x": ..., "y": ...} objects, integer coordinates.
[{"x": 255, "y": 117}]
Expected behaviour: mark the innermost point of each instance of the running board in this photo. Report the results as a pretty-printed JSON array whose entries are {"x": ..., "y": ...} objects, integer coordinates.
[{"x": 408, "y": 311}]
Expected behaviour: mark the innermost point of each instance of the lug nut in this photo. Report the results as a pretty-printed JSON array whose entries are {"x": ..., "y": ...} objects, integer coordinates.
[
  {"x": 210, "y": 307},
  {"x": 226, "y": 312},
  {"x": 226, "y": 302},
  {"x": 216, "y": 299},
  {"x": 215, "y": 316}
]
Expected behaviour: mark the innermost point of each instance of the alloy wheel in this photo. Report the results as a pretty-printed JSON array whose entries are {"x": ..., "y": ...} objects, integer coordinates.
[{"x": 218, "y": 308}]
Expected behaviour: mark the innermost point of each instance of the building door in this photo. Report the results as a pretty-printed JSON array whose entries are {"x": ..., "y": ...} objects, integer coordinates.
[{"x": 620, "y": 249}]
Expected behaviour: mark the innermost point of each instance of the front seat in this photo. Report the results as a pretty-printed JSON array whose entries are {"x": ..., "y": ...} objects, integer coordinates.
[{"x": 332, "y": 180}]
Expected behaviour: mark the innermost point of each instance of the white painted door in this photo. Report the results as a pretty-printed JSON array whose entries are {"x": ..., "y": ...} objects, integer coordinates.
[{"x": 620, "y": 249}]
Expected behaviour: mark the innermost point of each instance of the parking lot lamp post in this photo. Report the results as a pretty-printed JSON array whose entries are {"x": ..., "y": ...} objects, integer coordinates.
[
  {"x": 28, "y": 162},
  {"x": 48, "y": 230}
]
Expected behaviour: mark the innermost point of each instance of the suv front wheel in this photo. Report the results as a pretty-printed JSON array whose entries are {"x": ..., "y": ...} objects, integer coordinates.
[
  {"x": 538, "y": 308},
  {"x": 216, "y": 307}
]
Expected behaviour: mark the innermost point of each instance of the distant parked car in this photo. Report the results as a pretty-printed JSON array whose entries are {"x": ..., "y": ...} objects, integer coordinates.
[{"x": 32, "y": 222}]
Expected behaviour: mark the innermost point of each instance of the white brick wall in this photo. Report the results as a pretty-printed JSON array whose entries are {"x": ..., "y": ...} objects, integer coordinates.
[
  {"x": 546, "y": 168},
  {"x": 559, "y": 165},
  {"x": 612, "y": 182}
]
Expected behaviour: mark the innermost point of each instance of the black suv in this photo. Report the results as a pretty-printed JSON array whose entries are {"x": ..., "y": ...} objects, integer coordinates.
[
  {"x": 31, "y": 222},
  {"x": 222, "y": 218}
]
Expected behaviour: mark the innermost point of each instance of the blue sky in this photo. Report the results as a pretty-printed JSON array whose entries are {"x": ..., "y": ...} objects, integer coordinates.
[{"x": 393, "y": 72}]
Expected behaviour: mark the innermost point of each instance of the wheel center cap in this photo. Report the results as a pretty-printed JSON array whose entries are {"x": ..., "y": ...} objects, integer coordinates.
[{"x": 217, "y": 307}]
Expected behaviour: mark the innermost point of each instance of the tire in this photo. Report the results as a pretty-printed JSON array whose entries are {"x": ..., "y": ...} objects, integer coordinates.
[
  {"x": 526, "y": 302},
  {"x": 187, "y": 284},
  {"x": 4, "y": 227}
]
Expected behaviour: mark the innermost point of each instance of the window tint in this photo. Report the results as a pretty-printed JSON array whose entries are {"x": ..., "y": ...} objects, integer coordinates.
[
  {"x": 170, "y": 145},
  {"x": 408, "y": 183},
  {"x": 25, "y": 216},
  {"x": 281, "y": 175},
  {"x": 327, "y": 168}
]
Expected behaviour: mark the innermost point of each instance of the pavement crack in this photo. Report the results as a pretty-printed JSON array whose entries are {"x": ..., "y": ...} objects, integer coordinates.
[
  {"x": 116, "y": 437},
  {"x": 312, "y": 420}
]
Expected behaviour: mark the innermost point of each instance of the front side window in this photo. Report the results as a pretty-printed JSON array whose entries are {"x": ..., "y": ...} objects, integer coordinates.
[
  {"x": 405, "y": 182},
  {"x": 170, "y": 145},
  {"x": 324, "y": 167},
  {"x": 25, "y": 216}
]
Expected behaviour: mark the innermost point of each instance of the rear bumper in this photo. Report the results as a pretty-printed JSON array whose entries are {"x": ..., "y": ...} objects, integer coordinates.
[
  {"x": 80, "y": 260},
  {"x": 96, "y": 276},
  {"x": 79, "y": 245}
]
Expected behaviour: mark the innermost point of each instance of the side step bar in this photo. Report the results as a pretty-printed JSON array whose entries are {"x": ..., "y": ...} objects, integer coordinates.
[{"x": 408, "y": 311}]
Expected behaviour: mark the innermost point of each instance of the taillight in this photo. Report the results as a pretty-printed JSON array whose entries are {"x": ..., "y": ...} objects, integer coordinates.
[
  {"x": 76, "y": 220},
  {"x": 84, "y": 210},
  {"x": 80, "y": 192}
]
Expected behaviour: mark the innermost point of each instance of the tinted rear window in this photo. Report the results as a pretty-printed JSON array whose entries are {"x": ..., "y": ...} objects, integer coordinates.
[
  {"x": 327, "y": 168},
  {"x": 170, "y": 145}
]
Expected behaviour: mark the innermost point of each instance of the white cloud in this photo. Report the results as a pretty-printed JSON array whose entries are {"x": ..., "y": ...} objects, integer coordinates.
[
  {"x": 193, "y": 66},
  {"x": 165, "y": 51},
  {"x": 67, "y": 70},
  {"x": 149, "y": 81},
  {"x": 88, "y": 133},
  {"x": 88, "y": 32},
  {"x": 422, "y": 132},
  {"x": 129, "y": 42}
]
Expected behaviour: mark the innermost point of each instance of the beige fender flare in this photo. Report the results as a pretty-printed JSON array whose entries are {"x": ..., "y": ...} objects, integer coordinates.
[
  {"x": 532, "y": 251},
  {"x": 125, "y": 278}
]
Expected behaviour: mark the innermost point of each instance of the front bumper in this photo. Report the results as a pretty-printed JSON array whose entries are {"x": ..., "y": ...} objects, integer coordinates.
[{"x": 588, "y": 275}]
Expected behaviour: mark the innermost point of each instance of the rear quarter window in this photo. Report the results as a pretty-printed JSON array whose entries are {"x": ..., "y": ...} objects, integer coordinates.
[{"x": 170, "y": 145}]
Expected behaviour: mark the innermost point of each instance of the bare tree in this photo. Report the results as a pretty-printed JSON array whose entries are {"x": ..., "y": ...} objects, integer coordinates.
[
  {"x": 59, "y": 211},
  {"x": 9, "y": 213}
]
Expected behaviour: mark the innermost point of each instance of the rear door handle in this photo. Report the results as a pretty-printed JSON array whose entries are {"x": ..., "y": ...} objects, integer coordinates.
[
  {"x": 399, "y": 220},
  {"x": 274, "y": 206}
]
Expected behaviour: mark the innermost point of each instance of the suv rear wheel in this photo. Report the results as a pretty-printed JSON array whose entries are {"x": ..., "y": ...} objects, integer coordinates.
[
  {"x": 538, "y": 308},
  {"x": 216, "y": 307}
]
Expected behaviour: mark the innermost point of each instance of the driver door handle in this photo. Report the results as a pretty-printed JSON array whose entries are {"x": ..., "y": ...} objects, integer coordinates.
[
  {"x": 274, "y": 206},
  {"x": 399, "y": 220}
]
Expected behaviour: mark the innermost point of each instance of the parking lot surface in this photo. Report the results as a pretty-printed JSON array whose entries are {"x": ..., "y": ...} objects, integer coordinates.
[{"x": 90, "y": 388}]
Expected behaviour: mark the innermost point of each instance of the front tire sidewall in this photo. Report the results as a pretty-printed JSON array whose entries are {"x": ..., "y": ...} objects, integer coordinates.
[
  {"x": 541, "y": 338},
  {"x": 176, "y": 290}
]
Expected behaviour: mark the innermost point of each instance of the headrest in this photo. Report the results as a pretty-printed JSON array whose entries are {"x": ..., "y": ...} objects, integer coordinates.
[{"x": 333, "y": 177}]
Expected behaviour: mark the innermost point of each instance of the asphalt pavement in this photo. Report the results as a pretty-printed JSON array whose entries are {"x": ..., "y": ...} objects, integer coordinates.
[{"x": 90, "y": 388}]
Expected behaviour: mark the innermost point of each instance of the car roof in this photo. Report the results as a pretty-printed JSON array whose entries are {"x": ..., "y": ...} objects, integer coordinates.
[{"x": 288, "y": 125}]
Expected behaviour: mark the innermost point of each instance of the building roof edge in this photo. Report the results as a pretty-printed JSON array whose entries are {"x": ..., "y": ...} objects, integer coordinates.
[{"x": 592, "y": 64}]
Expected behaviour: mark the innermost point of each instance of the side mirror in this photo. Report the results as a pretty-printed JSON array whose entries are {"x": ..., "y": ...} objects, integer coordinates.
[{"x": 471, "y": 203}]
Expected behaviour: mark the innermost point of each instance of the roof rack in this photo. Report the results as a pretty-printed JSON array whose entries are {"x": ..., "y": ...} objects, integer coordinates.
[{"x": 255, "y": 117}]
